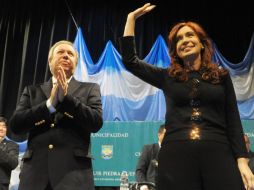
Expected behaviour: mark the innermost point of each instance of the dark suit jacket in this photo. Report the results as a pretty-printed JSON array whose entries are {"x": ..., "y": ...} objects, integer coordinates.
[
  {"x": 58, "y": 144},
  {"x": 251, "y": 161},
  {"x": 146, "y": 170},
  {"x": 9, "y": 154}
]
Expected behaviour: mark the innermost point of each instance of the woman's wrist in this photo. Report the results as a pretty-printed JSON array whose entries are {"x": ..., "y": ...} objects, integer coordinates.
[{"x": 242, "y": 160}]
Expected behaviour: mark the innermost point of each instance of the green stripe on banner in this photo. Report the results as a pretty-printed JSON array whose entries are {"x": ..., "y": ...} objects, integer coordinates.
[
  {"x": 116, "y": 148},
  {"x": 248, "y": 128}
]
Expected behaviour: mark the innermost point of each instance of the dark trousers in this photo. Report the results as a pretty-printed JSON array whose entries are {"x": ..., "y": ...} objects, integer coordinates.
[
  {"x": 197, "y": 165},
  {"x": 4, "y": 186},
  {"x": 49, "y": 187}
]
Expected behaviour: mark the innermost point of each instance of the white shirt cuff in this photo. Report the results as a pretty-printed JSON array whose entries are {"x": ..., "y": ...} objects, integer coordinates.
[{"x": 50, "y": 107}]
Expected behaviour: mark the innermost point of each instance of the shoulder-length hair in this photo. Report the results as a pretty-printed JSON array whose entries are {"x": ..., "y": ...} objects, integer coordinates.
[{"x": 209, "y": 71}]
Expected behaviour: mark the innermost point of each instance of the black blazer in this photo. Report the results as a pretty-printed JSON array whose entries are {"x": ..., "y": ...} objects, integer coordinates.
[
  {"x": 9, "y": 155},
  {"x": 58, "y": 144},
  {"x": 146, "y": 170}
]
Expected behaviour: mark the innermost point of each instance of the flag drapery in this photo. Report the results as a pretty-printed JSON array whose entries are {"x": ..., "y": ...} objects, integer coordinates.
[{"x": 127, "y": 98}]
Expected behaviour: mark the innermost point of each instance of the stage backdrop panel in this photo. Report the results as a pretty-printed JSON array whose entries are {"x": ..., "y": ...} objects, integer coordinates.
[
  {"x": 248, "y": 127},
  {"x": 117, "y": 147}
]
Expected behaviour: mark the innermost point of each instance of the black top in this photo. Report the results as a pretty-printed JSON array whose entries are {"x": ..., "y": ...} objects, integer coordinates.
[
  {"x": 251, "y": 161},
  {"x": 196, "y": 109}
]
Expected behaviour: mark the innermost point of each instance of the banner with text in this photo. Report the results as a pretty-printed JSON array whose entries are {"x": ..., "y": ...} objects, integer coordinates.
[{"x": 117, "y": 147}]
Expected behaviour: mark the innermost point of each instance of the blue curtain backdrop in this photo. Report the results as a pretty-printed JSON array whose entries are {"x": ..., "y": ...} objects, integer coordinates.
[{"x": 131, "y": 103}]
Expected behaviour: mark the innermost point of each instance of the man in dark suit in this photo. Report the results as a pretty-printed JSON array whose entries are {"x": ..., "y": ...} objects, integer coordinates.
[
  {"x": 9, "y": 152},
  {"x": 59, "y": 117},
  {"x": 146, "y": 170}
]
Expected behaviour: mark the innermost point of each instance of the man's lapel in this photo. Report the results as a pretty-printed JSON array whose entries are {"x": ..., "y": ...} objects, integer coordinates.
[
  {"x": 46, "y": 87},
  {"x": 73, "y": 86}
]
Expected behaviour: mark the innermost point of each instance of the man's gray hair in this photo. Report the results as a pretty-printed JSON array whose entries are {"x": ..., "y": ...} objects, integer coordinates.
[{"x": 51, "y": 51}]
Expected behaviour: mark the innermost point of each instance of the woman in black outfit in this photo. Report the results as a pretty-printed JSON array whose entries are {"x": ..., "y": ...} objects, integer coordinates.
[{"x": 203, "y": 148}]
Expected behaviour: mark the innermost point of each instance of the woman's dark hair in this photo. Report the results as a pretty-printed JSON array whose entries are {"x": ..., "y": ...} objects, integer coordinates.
[
  {"x": 209, "y": 71},
  {"x": 3, "y": 119}
]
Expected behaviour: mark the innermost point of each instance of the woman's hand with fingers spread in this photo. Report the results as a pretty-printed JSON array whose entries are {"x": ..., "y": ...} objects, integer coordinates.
[
  {"x": 142, "y": 10},
  {"x": 132, "y": 16}
]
